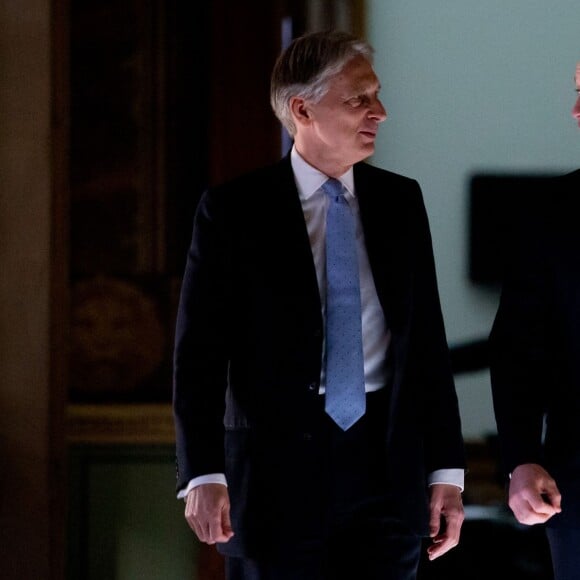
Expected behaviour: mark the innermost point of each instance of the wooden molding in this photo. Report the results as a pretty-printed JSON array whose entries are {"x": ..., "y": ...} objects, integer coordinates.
[{"x": 147, "y": 424}]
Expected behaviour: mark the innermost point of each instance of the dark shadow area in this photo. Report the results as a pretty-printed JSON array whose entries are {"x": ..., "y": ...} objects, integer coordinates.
[
  {"x": 493, "y": 544},
  {"x": 470, "y": 356}
]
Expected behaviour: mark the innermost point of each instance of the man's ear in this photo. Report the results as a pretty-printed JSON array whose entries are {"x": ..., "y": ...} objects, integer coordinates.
[{"x": 300, "y": 111}]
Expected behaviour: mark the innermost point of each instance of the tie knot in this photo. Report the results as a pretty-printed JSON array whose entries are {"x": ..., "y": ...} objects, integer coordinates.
[{"x": 333, "y": 188}]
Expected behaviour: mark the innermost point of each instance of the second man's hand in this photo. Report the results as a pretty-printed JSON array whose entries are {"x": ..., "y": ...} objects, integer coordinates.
[{"x": 534, "y": 496}]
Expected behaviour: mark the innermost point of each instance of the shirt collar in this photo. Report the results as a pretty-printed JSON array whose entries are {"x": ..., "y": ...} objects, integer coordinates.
[{"x": 309, "y": 179}]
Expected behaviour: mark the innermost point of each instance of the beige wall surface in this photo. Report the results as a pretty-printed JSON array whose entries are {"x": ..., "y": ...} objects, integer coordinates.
[{"x": 25, "y": 205}]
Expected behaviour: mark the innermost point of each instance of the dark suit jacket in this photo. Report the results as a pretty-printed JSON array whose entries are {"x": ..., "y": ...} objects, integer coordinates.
[
  {"x": 249, "y": 348},
  {"x": 535, "y": 345}
]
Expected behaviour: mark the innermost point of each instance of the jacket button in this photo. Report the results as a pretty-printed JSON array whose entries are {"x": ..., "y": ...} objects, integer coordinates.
[
  {"x": 313, "y": 386},
  {"x": 307, "y": 436}
]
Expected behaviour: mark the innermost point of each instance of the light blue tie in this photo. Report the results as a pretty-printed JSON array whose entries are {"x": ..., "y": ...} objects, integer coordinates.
[{"x": 345, "y": 387}]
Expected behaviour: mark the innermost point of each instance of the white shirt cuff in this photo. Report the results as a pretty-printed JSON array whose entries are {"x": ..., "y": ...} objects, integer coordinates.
[
  {"x": 210, "y": 478},
  {"x": 450, "y": 476}
]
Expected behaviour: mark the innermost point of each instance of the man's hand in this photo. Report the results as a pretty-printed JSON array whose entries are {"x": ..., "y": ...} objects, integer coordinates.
[
  {"x": 207, "y": 511},
  {"x": 446, "y": 505},
  {"x": 534, "y": 496}
]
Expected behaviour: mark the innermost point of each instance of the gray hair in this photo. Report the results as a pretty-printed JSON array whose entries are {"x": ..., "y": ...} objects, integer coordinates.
[{"x": 305, "y": 67}]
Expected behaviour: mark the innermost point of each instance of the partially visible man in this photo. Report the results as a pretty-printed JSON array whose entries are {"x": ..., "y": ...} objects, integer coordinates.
[
  {"x": 535, "y": 371},
  {"x": 271, "y": 468}
]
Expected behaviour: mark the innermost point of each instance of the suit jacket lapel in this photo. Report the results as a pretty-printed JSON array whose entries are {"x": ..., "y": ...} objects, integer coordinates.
[
  {"x": 287, "y": 239},
  {"x": 384, "y": 226}
]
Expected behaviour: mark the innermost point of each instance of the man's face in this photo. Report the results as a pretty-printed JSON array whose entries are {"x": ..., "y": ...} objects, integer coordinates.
[
  {"x": 576, "y": 109},
  {"x": 342, "y": 127}
]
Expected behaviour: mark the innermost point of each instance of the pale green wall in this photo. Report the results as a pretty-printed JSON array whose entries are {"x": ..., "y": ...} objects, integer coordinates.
[
  {"x": 125, "y": 522},
  {"x": 473, "y": 86}
]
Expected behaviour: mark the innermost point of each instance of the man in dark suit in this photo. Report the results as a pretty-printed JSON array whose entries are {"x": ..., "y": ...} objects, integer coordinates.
[
  {"x": 535, "y": 371},
  {"x": 267, "y": 474}
]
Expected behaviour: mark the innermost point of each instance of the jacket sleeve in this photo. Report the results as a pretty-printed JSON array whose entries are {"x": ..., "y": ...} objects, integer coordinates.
[
  {"x": 520, "y": 351},
  {"x": 201, "y": 346},
  {"x": 431, "y": 367}
]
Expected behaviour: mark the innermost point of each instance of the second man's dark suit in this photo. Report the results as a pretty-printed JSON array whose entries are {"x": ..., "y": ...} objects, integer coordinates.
[
  {"x": 249, "y": 347},
  {"x": 535, "y": 345}
]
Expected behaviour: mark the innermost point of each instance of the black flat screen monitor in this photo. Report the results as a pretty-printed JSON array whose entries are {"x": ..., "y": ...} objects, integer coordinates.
[{"x": 498, "y": 205}]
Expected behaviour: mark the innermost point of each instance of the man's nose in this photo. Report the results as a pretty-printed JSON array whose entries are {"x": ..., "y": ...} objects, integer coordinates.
[{"x": 379, "y": 111}]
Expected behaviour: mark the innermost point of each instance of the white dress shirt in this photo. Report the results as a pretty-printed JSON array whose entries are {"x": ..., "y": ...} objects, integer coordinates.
[{"x": 375, "y": 334}]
